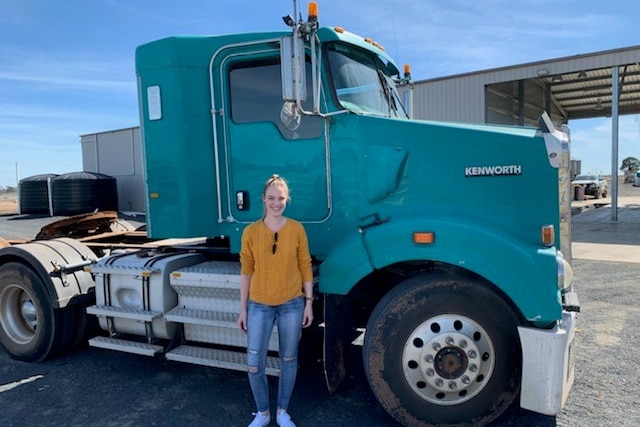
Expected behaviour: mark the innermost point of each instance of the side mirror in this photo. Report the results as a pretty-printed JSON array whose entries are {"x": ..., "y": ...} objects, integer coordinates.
[
  {"x": 292, "y": 63},
  {"x": 290, "y": 116}
]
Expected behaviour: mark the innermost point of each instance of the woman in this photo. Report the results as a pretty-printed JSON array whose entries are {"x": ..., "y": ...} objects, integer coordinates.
[{"x": 276, "y": 287}]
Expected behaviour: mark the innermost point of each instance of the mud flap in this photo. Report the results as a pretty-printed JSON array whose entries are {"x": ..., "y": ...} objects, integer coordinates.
[{"x": 337, "y": 333}]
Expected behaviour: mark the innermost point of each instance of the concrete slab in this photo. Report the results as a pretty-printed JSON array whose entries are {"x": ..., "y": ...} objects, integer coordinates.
[{"x": 597, "y": 237}]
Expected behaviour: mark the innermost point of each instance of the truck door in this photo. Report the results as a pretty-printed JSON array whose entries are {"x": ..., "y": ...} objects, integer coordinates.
[{"x": 257, "y": 144}]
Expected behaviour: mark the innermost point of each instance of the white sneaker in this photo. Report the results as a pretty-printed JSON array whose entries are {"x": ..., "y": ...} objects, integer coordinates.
[
  {"x": 284, "y": 420},
  {"x": 260, "y": 420}
]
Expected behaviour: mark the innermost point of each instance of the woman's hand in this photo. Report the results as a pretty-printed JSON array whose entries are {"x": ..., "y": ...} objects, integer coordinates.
[
  {"x": 307, "y": 317},
  {"x": 242, "y": 320}
]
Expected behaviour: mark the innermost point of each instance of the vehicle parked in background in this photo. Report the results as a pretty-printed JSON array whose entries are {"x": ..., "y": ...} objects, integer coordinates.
[{"x": 594, "y": 185}]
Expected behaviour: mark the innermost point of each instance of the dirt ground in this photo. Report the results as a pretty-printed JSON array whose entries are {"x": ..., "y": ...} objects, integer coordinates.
[{"x": 8, "y": 203}]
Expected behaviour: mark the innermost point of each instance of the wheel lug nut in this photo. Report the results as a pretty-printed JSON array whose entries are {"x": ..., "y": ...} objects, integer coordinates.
[
  {"x": 453, "y": 385},
  {"x": 430, "y": 372},
  {"x": 436, "y": 346},
  {"x": 472, "y": 354},
  {"x": 449, "y": 341},
  {"x": 462, "y": 344},
  {"x": 439, "y": 382},
  {"x": 466, "y": 379},
  {"x": 473, "y": 367},
  {"x": 428, "y": 358}
]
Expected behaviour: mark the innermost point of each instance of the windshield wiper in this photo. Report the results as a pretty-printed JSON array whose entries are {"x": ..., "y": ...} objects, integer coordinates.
[{"x": 389, "y": 93}]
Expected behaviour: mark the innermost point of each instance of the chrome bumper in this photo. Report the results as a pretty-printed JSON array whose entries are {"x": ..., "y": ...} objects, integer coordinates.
[{"x": 547, "y": 365}]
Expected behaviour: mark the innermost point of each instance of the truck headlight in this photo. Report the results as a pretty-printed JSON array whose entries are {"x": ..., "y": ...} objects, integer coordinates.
[{"x": 565, "y": 272}]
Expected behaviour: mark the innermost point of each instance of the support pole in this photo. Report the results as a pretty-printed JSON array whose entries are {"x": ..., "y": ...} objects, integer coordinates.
[{"x": 614, "y": 142}]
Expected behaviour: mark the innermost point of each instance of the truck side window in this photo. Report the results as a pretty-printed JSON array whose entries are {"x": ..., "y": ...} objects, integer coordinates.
[{"x": 256, "y": 96}]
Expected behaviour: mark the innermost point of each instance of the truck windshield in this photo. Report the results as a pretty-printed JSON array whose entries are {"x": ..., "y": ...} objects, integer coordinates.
[{"x": 360, "y": 82}]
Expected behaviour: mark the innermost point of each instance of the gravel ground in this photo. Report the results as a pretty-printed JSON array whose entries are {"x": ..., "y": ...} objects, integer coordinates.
[
  {"x": 93, "y": 387},
  {"x": 606, "y": 388}
]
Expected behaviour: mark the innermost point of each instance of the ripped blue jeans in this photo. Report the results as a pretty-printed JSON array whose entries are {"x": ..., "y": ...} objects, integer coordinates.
[{"x": 260, "y": 320}]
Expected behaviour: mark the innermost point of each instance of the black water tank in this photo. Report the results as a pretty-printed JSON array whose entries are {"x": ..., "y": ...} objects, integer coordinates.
[
  {"x": 82, "y": 192},
  {"x": 34, "y": 194}
]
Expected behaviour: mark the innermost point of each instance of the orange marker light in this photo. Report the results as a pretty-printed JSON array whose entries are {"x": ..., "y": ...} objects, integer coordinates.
[
  {"x": 407, "y": 69},
  {"x": 338, "y": 30},
  {"x": 424, "y": 237},
  {"x": 548, "y": 234},
  {"x": 313, "y": 11}
]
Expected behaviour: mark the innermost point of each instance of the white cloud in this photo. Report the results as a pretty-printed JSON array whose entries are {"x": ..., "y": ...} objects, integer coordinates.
[
  {"x": 62, "y": 73},
  {"x": 66, "y": 82}
]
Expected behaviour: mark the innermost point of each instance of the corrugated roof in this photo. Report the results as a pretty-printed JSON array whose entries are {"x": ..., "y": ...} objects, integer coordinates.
[
  {"x": 580, "y": 85},
  {"x": 588, "y": 93}
]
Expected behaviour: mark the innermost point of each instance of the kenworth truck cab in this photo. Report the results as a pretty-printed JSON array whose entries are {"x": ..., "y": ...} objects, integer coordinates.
[{"x": 422, "y": 233}]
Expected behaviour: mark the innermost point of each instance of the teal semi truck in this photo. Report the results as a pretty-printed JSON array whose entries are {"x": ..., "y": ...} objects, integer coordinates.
[{"x": 443, "y": 249}]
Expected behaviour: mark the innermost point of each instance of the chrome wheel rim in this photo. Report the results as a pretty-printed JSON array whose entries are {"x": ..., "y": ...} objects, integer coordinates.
[
  {"x": 18, "y": 314},
  {"x": 448, "y": 359}
]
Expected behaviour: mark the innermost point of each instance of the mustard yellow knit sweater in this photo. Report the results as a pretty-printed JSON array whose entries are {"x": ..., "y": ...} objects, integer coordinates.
[{"x": 275, "y": 277}]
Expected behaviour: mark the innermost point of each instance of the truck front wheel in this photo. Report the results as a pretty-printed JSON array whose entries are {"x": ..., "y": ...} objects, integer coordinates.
[
  {"x": 27, "y": 319},
  {"x": 443, "y": 351}
]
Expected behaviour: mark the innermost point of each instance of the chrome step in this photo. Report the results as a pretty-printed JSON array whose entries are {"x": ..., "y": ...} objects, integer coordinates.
[
  {"x": 202, "y": 317},
  {"x": 216, "y": 358},
  {"x": 214, "y": 327},
  {"x": 123, "y": 313},
  {"x": 208, "y": 298},
  {"x": 126, "y": 346}
]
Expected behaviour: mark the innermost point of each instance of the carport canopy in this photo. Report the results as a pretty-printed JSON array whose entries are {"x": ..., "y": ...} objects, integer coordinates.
[{"x": 601, "y": 84}]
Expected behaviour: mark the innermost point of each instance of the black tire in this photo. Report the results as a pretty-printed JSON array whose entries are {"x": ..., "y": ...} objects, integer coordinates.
[
  {"x": 443, "y": 351},
  {"x": 85, "y": 327},
  {"x": 27, "y": 318},
  {"x": 66, "y": 330}
]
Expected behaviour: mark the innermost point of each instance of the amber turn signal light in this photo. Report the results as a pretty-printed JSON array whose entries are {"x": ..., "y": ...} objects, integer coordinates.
[
  {"x": 424, "y": 237},
  {"x": 548, "y": 234}
]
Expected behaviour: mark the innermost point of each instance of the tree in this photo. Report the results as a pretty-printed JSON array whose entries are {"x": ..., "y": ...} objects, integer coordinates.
[
  {"x": 630, "y": 165},
  {"x": 7, "y": 189}
]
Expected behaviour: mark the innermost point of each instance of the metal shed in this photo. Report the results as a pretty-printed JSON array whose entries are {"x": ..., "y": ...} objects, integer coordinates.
[
  {"x": 118, "y": 153},
  {"x": 599, "y": 84}
]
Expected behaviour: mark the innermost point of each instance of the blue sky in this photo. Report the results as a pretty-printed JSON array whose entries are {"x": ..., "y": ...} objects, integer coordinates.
[{"x": 67, "y": 66}]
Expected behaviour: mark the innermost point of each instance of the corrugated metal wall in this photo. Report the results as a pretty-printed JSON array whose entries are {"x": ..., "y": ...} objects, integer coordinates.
[
  {"x": 456, "y": 99},
  {"x": 477, "y": 99}
]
